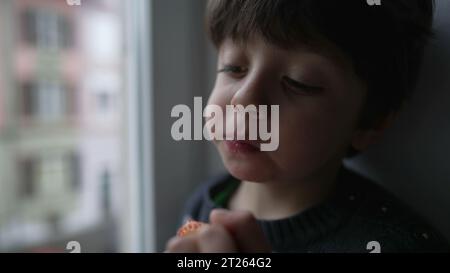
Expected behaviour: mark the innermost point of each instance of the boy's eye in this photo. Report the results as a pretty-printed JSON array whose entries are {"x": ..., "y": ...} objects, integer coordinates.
[
  {"x": 301, "y": 87},
  {"x": 236, "y": 71}
]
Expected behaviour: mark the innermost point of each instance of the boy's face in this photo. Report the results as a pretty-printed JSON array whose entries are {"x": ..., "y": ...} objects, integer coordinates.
[{"x": 319, "y": 100}]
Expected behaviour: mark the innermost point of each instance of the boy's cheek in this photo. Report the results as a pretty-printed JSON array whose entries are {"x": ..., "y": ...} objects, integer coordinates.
[{"x": 299, "y": 151}]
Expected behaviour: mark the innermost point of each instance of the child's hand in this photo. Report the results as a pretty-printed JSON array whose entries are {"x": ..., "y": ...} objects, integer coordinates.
[{"x": 228, "y": 231}]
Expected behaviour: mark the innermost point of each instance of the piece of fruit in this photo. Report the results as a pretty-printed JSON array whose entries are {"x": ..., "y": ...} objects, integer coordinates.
[{"x": 190, "y": 227}]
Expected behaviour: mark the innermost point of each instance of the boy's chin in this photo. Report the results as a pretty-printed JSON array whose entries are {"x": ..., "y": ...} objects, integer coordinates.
[
  {"x": 256, "y": 167},
  {"x": 248, "y": 172}
]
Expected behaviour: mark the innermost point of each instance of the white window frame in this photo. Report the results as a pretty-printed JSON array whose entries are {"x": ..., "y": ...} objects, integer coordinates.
[{"x": 137, "y": 232}]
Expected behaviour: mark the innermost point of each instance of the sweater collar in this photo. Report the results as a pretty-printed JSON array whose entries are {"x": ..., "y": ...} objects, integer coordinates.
[{"x": 307, "y": 226}]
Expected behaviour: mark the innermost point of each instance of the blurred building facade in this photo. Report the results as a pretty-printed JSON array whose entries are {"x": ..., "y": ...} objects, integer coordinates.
[{"x": 61, "y": 122}]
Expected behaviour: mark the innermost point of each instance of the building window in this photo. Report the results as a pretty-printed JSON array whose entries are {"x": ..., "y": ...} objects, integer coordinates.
[
  {"x": 75, "y": 171},
  {"x": 28, "y": 104},
  {"x": 51, "y": 101},
  {"x": 27, "y": 180},
  {"x": 104, "y": 102},
  {"x": 46, "y": 101},
  {"x": 29, "y": 29},
  {"x": 105, "y": 182},
  {"x": 47, "y": 29}
]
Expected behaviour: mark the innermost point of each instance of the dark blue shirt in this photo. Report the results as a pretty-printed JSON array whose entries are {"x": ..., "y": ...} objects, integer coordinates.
[{"x": 359, "y": 216}]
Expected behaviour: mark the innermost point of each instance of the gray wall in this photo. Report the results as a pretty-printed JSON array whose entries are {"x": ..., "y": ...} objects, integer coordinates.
[
  {"x": 413, "y": 158},
  {"x": 181, "y": 70}
]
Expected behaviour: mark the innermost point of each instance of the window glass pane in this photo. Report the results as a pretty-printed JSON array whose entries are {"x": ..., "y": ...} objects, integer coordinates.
[{"x": 62, "y": 125}]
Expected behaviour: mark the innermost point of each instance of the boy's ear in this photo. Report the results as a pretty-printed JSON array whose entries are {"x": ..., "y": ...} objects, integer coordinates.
[{"x": 363, "y": 138}]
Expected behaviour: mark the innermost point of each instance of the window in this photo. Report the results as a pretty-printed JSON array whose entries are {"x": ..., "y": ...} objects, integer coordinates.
[
  {"x": 27, "y": 168},
  {"x": 46, "y": 101},
  {"x": 50, "y": 101},
  {"x": 104, "y": 102},
  {"x": 46, "y": 29},
  {"x": 106, "y": 68},
  {"x": 64, "y": 174},
  {"x": 29, "y": 30},
  {"x": 28, "y": 104},
  {"x": 73, "y": 162}
]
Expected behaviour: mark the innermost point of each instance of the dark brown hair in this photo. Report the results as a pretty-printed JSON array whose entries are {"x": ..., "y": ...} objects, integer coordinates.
[{"x": 384, "y": 43}]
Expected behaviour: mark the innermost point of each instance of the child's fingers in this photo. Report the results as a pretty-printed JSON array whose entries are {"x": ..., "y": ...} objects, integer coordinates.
[
  {"x": 243, "y": 227},
  {"x": 182, "y": 245},
  {"x": 215, "y": 239}
]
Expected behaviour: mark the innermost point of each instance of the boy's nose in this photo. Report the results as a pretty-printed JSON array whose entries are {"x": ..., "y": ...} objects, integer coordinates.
[{"x": 254, "y": 91}]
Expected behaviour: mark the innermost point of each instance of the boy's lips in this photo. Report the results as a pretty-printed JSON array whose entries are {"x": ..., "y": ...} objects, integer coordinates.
[{"x": 242, "y": 146}]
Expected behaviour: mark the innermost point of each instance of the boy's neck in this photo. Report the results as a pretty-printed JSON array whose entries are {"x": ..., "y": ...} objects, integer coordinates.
[{"x": 274, "y": 200}]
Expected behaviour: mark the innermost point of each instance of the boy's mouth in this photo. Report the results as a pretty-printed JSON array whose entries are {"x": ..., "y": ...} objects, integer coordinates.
[{"x": 243, "y": 146}]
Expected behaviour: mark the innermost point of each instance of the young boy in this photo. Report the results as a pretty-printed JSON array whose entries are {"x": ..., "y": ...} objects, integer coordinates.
[{"x": 339, "y": 71}]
